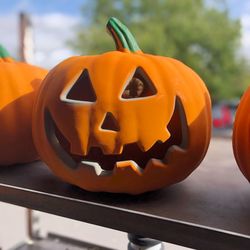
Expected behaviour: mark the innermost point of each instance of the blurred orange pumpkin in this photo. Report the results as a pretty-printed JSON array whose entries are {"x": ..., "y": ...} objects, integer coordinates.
[
  {"x": 18, "y": 85},
  {"x": 241, "y": 135},
  {"x": 123, "y": 121}
]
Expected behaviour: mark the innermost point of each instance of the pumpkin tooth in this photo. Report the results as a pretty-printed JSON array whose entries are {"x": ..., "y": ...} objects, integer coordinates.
[
  {"x": 106, "y": 150},
  {"x": 153, "y": 163},
  {"x": 169, "y": 153},
  {"x": 94, "y": 166},
  {"x": 110, "y": 150},
  {"x": 145, "y": 146},
  {"x": 165, "y": 137},
  {"x": 124, "y": 166},
  {"x": 118, "y": 150}
]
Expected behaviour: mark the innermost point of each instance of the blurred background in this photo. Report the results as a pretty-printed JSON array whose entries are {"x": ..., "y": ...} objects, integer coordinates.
[{"x": 210, "y": 36}]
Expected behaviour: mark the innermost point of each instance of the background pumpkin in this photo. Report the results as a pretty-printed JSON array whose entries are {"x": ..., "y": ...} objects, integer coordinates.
[
  {"x": 18, "y": 85},
  {"x": 93, "y": 132},
  {"x": 241, "y": 135}
]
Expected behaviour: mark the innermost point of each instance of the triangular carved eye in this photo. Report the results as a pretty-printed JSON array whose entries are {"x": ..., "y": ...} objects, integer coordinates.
[
  {"x": 82, "y": 89},
  {"x": 139, "y": 86}
]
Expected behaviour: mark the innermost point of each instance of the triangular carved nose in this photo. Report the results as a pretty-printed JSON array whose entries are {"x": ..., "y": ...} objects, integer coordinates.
[{"x": 110, "y": 123}]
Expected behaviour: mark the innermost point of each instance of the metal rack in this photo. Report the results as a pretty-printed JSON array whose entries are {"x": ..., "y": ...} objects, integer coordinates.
[{"x": 209, "y": 210}]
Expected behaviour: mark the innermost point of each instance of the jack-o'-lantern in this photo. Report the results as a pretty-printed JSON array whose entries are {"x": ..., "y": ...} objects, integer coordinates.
[
  {"x": 123, "y": 121},
  {"x": 18, "y": 85},
  {"x": 241, "y": 135}
]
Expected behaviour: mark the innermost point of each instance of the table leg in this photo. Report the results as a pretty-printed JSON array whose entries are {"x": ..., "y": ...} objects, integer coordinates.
[{"x": 137, "y": 242}]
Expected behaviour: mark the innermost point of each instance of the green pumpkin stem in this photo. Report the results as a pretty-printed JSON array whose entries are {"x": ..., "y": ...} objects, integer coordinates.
[
  {"x": 123, "y": 38},
  {"x": 3, "y": 52}
]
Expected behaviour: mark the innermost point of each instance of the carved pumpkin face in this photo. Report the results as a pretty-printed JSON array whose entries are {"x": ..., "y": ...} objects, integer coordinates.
[
  {"x": 18, "y": 85},
  {"x": 123, "y": 121},
  {"x": 241, "y": 140}
]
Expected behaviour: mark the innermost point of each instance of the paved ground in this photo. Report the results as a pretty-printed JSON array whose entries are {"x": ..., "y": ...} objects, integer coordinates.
[{"x": 12, "y": 218}]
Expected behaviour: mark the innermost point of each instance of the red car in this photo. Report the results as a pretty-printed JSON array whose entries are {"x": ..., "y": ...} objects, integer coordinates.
[{"x": 223, "y": 115}]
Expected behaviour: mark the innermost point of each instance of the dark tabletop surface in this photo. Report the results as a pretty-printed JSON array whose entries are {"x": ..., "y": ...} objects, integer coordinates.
[{"x": 209, "y": 210}]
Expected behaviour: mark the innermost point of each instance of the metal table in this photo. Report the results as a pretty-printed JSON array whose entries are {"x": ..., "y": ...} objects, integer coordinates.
[{"x": 209, "y": 210}]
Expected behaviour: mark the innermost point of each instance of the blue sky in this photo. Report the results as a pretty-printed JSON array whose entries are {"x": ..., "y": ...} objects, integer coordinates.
[
  {"x": 236, "y": 7},
  {"x": 41, "y": 6},
  {"x": 50, "y": 35}
]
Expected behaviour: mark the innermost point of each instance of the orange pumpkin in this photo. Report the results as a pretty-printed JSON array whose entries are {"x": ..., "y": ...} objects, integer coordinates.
[
  {"x": 18, "y": 84},
  {"x": 241, "y": 135},
  {"x": 123, "y": 121}
]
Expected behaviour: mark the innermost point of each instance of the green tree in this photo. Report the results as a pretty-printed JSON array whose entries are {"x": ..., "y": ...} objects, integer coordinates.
[{"x": 202, "y": 36}]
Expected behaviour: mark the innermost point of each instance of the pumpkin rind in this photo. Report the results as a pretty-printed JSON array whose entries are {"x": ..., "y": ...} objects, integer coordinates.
[
  {"x": 18, "y": 84},
  {"x": 141, "y": 120},
  {"x": 241, "y": 135}
]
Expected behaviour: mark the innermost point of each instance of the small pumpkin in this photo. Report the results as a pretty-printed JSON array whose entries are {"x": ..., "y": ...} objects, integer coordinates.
[
  {"x": 241, "y": 135},
  {"x": 18, "y": 85},
  {"x": 123, "y": 121}
]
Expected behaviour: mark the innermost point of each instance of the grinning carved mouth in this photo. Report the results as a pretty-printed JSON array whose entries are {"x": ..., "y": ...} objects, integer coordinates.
[{"x": 104, "y": 164}]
